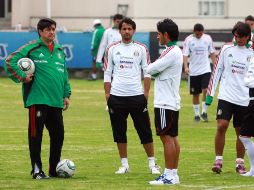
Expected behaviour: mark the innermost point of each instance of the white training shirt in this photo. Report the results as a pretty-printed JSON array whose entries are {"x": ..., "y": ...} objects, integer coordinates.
[
  {"x": 125, "y": 62},
  {"x": 109, "y": 36},
  {"x": 167, "y": 69},
  {"x": 230, "y": 69},
  {"x": 198, "y": 51}
]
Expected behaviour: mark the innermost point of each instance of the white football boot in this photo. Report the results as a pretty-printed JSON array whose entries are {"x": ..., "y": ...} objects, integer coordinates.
[
  {"x": 155, "y": 169},
  {"x": 122, "y": 170}
]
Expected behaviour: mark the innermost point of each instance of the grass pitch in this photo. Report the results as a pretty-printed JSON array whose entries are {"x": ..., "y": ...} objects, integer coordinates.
[{"x": 88, "y": 142}]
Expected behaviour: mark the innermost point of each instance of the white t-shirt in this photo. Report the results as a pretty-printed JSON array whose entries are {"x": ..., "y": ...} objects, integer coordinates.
[
  {"x": 125, "y": 62},
  {"x": 198, "y": 51},
  {"x": 168, "y": 69},
  {"x": 230, "y": 70},
  {"x": 109, "y": 36}
]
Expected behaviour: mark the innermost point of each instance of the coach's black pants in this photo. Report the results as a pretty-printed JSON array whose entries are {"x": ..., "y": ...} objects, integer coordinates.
[{"x": 51, "y": 117}]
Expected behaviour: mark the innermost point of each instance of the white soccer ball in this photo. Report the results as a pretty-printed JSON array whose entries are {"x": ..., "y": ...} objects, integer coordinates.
[
  {"x": 26, "y": 65},
  {"x": 65, "y": 168}
]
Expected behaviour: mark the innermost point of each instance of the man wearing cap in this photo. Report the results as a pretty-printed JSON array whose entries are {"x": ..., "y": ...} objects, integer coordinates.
[{"x": 97, "y": 36}]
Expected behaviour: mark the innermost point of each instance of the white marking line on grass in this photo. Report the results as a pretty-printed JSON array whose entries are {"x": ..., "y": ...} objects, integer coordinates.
[{"x": 207, "y": 187}]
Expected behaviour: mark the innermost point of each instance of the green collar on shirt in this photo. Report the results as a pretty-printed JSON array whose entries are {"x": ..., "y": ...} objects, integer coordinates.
[
  {"x": 247, "y": 45},
  {"x": 171, "y": 43}
]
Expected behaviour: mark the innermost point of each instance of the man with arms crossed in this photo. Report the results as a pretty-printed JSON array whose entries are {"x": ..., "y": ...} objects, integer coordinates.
[
  {"x": 233, "y": 94},
  {"x": 198, "y": 47},
  {"x": 124, "y": 93},
  {"x": 167, "y": 72}
]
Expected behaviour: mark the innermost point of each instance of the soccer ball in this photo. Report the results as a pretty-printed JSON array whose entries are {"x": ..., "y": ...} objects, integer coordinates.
[
  {"x": 26, "y": 65},
  {"x": 65, "y": 168}
]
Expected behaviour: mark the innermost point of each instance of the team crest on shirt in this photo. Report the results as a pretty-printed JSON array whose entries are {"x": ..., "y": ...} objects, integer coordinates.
[
  {"x": 59, "y": 56},
  {"x": 118, "y": 53},
  {"x": 136, "y": 53},
  {"x": 250, "y": 59}
]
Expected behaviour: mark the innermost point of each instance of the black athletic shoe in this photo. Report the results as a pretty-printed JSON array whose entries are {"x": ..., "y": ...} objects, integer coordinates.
[
  {"x": 53, "y": 174},
  {"x": 197, "y": 118},
  {"x": 40, "y": 175},
  {"x": 204, "y": 117}
]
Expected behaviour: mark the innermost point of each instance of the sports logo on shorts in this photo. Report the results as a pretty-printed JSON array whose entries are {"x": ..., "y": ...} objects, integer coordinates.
[
  {"x": 38, "y": 114},
  {"x": 3, "y": 51},
  {"x": 111, "y": 110},
  {"x": 219, "y": 112},
  {"x": 68, "y": 51}
]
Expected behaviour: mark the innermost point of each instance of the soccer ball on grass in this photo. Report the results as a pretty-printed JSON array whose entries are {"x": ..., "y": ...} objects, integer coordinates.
[{"x": 65, "y": 168}]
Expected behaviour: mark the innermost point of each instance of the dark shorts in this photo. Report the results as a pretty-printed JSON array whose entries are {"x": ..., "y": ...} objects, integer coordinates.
[
  {"x": 225, "y": 110},
  {"x": 166, "y": 122},
  {"x": 120, "y": 107},
  {"x": 197, "y": 83},
  {"x": 247, "y": 128}
]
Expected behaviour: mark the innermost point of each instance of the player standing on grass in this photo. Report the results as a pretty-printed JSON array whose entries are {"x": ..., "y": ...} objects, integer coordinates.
[
  {"x": 167, "y": 71},
  {"x": 124, "y": 93},
  {"x": 96, "y": 39},
  {"x": 198, "y": 47},
  {"x": 46, "y": 94},
  {"x": 233, "y": 94},
  {"x": 247, "y": 129}
]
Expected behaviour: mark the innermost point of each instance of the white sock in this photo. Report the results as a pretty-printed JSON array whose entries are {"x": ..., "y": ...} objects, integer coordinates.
[
  {"x": 36, "y": 169},
  {"x": 151, "y": 161},
  {"x": 204, "y": 107},
  {"x": 94, "y": 75},
  {"x": 175, "y": 171},
  {"x": 249, "y": 147},
  {"x": 196, "y": 109},
  {"x": 219, "y": 158},
  {"x": 168, "y": 172},
  {"x": 124, "y": 162}
]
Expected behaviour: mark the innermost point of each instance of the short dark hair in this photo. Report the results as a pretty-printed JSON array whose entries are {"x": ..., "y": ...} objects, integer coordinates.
[
  {"x": 117, "y": 17},
  {"x": 45, "y": 23},
  {"x": 198, "y": 27},
  {"x": 242, "y": 29},
  {"x": 170, "y": 27},
  {"x": 129, "y": 21},
  {"x": 249, "y": 17}
]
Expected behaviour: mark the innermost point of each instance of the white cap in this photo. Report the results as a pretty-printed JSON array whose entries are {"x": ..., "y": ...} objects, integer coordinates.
[{"x": 96, "y": 21}]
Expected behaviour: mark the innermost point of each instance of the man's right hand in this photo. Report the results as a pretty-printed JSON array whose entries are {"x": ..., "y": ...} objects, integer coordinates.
[
  {"x": 186, "y": 70},
  {"x": 208, "y": 100},
  {"x": 29, "y": 78}
]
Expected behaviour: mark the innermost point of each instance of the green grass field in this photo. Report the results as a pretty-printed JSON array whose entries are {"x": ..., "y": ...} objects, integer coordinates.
[{"x": 88, "y": 142}]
